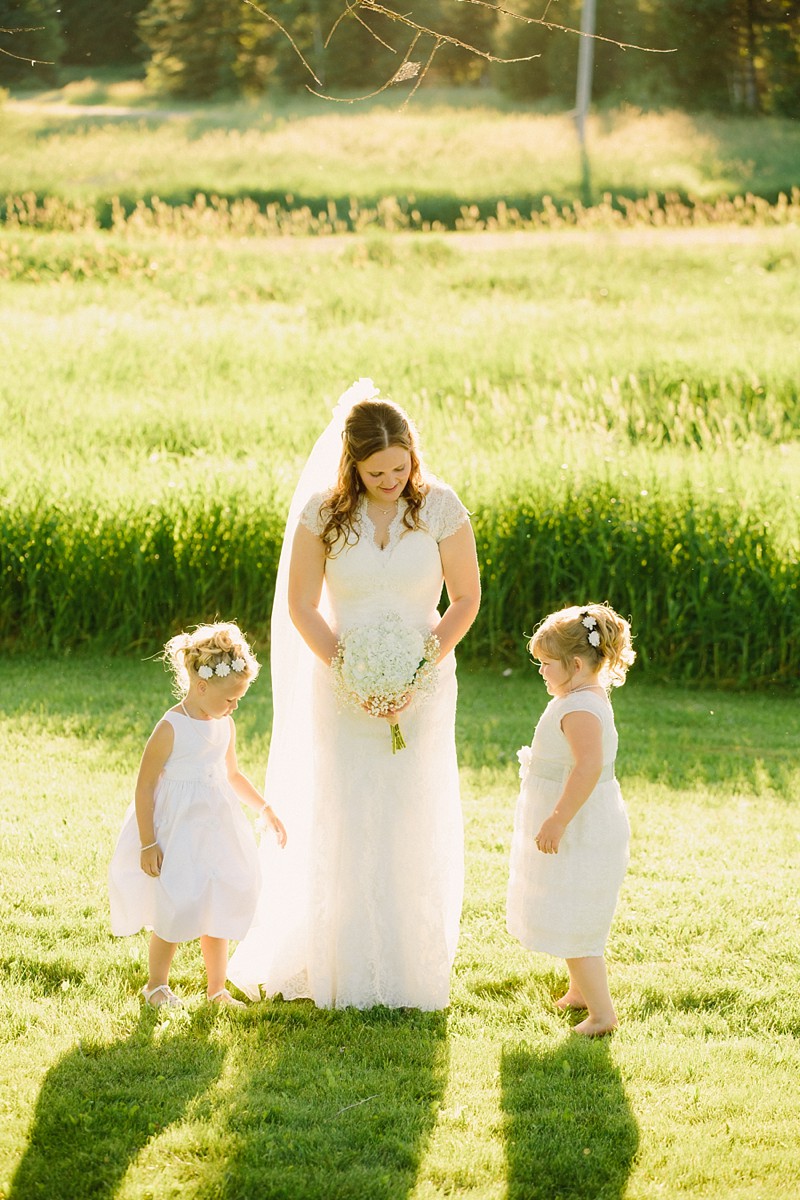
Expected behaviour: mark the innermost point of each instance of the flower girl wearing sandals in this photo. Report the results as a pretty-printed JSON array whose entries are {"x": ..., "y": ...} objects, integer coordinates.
[{"x": 185, "y": 864}]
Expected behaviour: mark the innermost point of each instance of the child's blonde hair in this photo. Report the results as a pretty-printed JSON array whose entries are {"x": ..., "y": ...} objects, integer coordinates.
[
  {"x": 221, "y": 649},
  {"x": 592, "y": 632}
]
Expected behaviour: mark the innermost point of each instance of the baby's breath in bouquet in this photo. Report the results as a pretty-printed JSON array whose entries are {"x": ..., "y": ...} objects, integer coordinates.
[{"x": 379, "y": 667}]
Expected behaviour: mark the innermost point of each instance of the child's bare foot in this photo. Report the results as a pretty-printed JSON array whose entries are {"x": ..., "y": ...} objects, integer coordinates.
[
  {"x": 571, "y": 999},
  {"x": 596, "y": 1026}
]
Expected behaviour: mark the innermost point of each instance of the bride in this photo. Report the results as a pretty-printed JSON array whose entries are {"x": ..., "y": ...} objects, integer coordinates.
[{"x": 364, "y": 905}]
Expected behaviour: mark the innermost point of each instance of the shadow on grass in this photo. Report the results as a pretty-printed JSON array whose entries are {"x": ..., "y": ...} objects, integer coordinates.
[
  {"x": 570, "y": 1129},
  {"x": 101, "y": 1104},
  {"x": 337, "y": 1106}
]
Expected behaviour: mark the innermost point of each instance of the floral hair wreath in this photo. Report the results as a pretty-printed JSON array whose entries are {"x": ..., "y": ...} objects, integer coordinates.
[
  {"x": 222, "y": 668},
  {"x": 591, "y": 624}
]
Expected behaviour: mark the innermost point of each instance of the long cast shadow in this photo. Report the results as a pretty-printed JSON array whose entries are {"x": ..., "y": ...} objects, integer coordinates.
[
  {"x": 340, "y": 1106},
  {"x": 91, "y": 1120},
  {"x": 570, "y": 1129}
]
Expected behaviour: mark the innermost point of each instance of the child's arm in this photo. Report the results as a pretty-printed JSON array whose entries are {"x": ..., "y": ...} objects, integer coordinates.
[
  {"x": 584, "y": 733},
  {"x": 247, "y": 793},
  {"x": 156, "y": 753}
]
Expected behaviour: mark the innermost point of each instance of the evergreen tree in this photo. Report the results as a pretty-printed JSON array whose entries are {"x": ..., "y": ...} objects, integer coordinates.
[
  {"x": 202, "y": 48},
  {"x": 193, "y": 46},
  {"x": 30, "y": 41}
]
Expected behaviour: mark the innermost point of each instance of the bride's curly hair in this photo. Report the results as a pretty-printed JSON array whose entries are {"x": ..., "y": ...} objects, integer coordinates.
[{"x": 371, "y": 426}]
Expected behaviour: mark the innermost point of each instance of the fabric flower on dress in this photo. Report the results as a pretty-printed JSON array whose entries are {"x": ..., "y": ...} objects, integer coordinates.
[{"x": 524, "y": 755}]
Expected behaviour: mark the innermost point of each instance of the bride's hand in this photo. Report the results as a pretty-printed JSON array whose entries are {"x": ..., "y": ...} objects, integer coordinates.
[{"x": 391, "y": 717}]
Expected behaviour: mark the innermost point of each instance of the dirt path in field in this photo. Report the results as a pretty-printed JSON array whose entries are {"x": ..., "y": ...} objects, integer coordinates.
[{"x": 57, "y": 108}]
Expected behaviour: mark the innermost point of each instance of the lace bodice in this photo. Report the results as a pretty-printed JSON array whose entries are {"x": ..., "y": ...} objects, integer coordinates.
[{"x": 363, "y": 581}]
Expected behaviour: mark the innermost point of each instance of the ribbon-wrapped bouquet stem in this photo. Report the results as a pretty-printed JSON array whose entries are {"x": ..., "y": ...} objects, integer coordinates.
[{"x": 379, "y": 667}]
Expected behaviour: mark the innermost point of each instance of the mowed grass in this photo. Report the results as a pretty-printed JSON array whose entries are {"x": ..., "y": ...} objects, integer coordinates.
[
  {"x": 697, "y": 1094},
  {"x": 445, "y": 149}
]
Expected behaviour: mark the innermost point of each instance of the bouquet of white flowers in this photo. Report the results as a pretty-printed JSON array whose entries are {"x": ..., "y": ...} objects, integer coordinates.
[{"x": 378, "y": 667}]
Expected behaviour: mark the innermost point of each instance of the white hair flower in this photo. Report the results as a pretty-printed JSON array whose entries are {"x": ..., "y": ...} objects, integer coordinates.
[
  {"x": 594, "y": 638},
  {"x": 205, "y": 672},
  {"x": 238, "y": 665},
  {"x": 222, "y": 669},
  {"x": 590, "y": 622}
]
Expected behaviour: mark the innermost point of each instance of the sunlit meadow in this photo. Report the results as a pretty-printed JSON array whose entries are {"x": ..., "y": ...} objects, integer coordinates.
[{"x": 619, "y": 409}]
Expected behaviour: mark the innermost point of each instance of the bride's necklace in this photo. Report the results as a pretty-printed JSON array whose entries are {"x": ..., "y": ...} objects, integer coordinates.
[{"x": 381, "y": 509}]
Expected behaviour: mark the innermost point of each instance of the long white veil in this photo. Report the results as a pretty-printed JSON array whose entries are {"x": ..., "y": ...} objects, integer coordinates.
[{"x": 273, "y": 954}]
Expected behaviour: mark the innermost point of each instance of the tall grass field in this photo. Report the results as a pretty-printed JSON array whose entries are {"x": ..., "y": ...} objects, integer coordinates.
[
  {"x": 696, "y": 1095},
  {"x": 618, "y": 409}
]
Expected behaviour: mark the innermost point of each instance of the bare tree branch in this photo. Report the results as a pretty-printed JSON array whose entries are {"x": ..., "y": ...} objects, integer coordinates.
[
  {"x": 440, "y": 37},
  {"x": 44, "y": 62},
  {"x": 350, "y": 11},
  {"x": 406, "y": 70},
  {"x": 508, "y": 12},
  {"x": 287, "y": 35},
  {"x": 436, "y": 34}
]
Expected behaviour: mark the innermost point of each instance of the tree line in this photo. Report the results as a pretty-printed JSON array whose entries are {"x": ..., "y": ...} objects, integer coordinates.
[{"x": 724, "y": 55}]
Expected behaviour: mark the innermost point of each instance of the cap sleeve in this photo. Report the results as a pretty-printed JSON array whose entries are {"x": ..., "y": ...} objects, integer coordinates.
[
  {"x": 444, "y": 514},
  {"x": 585, "y": 702},
  {"x": 310, "y": 514}
]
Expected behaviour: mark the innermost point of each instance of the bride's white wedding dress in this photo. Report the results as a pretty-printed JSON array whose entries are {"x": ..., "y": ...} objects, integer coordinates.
[{"x": 367, "y": 911}]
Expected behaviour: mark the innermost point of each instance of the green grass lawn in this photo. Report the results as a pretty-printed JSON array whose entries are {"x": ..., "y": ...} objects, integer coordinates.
[{"x": 697, "y": 1095}]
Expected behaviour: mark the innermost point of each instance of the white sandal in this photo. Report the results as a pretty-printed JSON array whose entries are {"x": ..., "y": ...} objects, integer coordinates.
[
  {"x": 224, "y": 997},
  {"x": 168, "y": 999}
]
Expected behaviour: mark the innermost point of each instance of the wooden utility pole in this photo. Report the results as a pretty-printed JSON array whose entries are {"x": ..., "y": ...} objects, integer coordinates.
[{"x": 583, "y": 94}]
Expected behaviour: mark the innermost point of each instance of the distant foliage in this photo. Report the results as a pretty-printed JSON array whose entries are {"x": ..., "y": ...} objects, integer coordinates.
[
  {"x": 101, "y": 34},
  {"x": 725, "y": 55},
  {"x": 729, "y": 55},
  {"x": 200, "y": 49},
  {"x": 30, "y": 43}
]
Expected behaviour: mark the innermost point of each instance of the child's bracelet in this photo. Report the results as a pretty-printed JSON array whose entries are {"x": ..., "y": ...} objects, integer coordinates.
[{"x": 150, "y": 847}]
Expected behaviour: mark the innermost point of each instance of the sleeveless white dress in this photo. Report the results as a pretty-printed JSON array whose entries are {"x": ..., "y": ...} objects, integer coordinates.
[
  {"x": 210, "y": 877},
  {"x": 384, "y": 882},
  {"x": 563, "y": 904}
]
